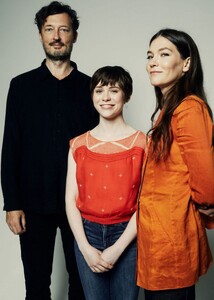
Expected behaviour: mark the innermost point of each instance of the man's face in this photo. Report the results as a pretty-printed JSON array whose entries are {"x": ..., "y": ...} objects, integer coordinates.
[{"x": 57, "y": 37}]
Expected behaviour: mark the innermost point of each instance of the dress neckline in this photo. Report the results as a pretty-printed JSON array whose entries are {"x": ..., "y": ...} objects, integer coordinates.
[{"x": 121, "y": 142}]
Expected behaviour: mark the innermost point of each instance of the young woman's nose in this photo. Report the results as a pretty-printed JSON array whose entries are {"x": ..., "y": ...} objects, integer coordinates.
[{"x": 106, "y": 96}]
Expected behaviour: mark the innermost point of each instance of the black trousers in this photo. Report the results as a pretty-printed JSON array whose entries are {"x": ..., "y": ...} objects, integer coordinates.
[
  {"x": 37, "y": 250},
  {"x": 187, "y": 293}
]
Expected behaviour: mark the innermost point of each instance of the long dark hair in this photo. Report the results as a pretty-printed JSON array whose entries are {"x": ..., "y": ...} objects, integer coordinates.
[{"x": 190, "y": 83}]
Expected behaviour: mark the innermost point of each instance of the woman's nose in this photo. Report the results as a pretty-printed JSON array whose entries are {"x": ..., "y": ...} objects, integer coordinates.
[
  {"x": 153, "y": 62},
  {"x": 106, "y": 96}
]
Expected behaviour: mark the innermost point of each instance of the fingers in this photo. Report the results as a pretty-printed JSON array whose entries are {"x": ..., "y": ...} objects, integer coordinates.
[
  {"x": 207, "y": 212},
  {"x": 23, "y": 222},
  {"x": 101, "y": 268},
  {"x": 101, "y": 265},
  {"x": 16, "y": 221}
]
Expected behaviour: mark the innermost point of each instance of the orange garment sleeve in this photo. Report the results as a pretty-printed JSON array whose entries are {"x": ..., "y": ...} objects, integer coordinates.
[{"x": 194, "y": 137}]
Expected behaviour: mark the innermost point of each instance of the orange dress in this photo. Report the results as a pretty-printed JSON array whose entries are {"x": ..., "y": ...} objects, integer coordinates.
[
  {"x": 173, "y": 249},
  {"x": 108, "y": 176}
]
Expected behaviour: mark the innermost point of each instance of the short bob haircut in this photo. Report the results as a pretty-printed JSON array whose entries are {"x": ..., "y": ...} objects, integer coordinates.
[
  {"x": 111, "y": 75},
  {"x": 55, "y": 8}
]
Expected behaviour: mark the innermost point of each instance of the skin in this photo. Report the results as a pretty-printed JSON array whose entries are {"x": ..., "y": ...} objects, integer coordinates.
[
  {"x": 16, "y": 221},
  {"x": 207, "y": 211},
  {"x": 57, "y": 37},
  {"x": 109, "y": 102},
  {"x": 165, "y": 65}
]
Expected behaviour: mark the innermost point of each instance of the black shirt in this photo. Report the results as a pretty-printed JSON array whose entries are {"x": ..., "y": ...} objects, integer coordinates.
[{"x": 42, "y": 115}]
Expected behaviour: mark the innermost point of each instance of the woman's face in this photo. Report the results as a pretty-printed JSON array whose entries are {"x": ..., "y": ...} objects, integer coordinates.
[
  {"x": 108, "y": 100},
  {"x": 165, "y": 65}
]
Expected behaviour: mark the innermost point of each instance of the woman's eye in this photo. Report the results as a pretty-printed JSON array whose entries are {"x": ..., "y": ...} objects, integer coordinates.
[
  {"x": 149, "y": 57},
  {"x": 164, "y": 54},
  {"x": 98, "y": 91}
]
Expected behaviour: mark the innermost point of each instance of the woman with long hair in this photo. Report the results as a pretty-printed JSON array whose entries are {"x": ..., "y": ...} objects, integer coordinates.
[{"x": 177, "y": 193}]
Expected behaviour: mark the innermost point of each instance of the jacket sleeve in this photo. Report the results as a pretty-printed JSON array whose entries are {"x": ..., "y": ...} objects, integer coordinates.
[
  {"x": 194, "y": 136},
  {"x": 10, "y": 162}
]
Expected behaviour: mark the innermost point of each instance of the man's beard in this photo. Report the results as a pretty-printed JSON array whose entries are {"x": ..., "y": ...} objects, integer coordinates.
[{"x": 57, "y": 55}]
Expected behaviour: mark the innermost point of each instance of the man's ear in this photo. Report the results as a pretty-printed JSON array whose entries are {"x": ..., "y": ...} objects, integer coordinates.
[
  {"x": 40, "y": 37},
  {"x": 75, "y": 36}
]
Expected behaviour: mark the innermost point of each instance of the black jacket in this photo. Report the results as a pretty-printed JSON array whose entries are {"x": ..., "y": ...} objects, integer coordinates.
[{"x": 42, "y": 115}]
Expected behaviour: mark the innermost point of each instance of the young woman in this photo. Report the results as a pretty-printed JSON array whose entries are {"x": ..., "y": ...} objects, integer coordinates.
[
  {"x": 178, "y": 181},
  {"x": 104, "y": 172}
]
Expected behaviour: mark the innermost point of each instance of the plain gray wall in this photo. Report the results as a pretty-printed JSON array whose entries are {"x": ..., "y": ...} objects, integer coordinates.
[{"x": 112, "y": 32}]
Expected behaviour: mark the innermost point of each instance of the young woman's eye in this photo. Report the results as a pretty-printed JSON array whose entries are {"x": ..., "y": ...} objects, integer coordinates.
[
  {"x": 98, "y": 91},
  {"x": 114, "y": 91}
]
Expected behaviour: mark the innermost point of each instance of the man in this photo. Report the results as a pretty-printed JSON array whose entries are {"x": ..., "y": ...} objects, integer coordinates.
[{"x": 46, "y": 107}]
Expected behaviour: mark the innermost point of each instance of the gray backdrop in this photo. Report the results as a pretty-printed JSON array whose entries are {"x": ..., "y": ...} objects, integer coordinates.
[{"x": 113, "y": 32}]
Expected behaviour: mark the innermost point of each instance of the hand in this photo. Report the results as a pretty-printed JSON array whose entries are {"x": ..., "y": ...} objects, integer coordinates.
[
  {"x": 16, "y": 221},
  {"x": 111, "y": 254},
  {"x": 95, "y": 261},
  {"x": 208, "y": 212}
]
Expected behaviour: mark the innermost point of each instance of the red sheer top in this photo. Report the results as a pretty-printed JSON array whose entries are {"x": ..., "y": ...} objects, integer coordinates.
[{"x": 108, "y": 176}]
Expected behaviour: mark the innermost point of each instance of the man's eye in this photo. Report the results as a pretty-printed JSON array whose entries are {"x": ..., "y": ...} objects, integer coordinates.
[
  {"x": 64, "y": 30},
  {"x": 48, "y": 29}
]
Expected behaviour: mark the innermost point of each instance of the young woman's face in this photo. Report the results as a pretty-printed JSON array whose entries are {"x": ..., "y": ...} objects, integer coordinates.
[
  {"x": 165, "y": 65},
  {"x": 108, "y": 100}
]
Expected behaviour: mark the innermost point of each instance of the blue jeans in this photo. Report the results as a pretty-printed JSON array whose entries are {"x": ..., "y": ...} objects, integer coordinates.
[
  {"x": 118, "y": 283},
  {"x": 187, "y": 293}
]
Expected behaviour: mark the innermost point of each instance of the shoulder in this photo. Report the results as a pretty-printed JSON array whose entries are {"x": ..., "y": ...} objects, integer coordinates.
[
  {"x": 141, "y": 136},
  {"x": 190, "y": 102},
  {"x": 140, "y": 139},
  {"x": 192, "y": 114},
  {"x": 78, "y": 75},
  {"x": 83, "y": 76},
  {"x": 81, "y": 82},
  {"x": 27, "y": 76},
  {"x": 78, "y": 141}
]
